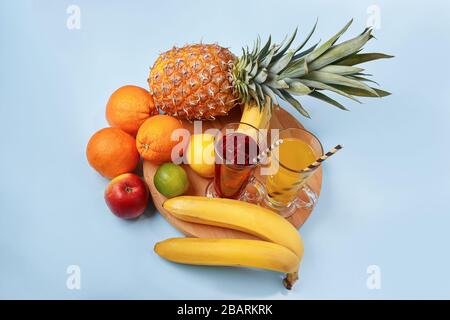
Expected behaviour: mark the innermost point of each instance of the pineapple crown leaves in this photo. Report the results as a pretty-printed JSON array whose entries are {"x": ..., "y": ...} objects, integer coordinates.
[{"x": 279, "y": 71}]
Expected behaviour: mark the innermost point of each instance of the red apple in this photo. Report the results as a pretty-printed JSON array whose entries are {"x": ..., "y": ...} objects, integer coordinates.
[{"x": 127, "y": 196}]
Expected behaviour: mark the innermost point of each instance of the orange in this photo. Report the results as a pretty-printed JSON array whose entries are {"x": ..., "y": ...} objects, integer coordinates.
[
  {"x": 128, "y": 107},
  {"x": 154, "y": 139},
  {"x": 112, "y": 152}
]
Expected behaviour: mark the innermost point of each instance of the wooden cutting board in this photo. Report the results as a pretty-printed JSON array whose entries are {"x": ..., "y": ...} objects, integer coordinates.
[{"x": 281, "y": 119}]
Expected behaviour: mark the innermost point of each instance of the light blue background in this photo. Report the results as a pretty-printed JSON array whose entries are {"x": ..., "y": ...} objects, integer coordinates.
[{"x": 385, "y": 196}]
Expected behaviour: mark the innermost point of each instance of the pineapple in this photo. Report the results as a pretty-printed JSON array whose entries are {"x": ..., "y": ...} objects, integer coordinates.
[
  {"x": 203, "y": 81},
  {"x": 194, "y": 82}
]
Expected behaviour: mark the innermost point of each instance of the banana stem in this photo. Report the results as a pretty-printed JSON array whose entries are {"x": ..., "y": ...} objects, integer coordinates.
[
  {"x": 290, "y": 280},
  {"x": 257, "y": 116}
]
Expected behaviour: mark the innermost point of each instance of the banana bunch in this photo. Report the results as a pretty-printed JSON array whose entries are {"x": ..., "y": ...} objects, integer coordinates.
[{"x": 281, "y": 251}]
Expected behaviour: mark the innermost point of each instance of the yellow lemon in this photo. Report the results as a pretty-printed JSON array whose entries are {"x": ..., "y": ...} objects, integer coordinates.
[{"x": 200, "y": 154}]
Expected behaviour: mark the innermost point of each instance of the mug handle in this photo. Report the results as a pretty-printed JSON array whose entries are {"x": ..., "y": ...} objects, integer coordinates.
[
  {"x": 254, "y": 192},
  {"x": 312, "y": 196}
]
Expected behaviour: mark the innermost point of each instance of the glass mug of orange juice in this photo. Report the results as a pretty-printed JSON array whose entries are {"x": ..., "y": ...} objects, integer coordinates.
[{"x": 284, "y": 187}]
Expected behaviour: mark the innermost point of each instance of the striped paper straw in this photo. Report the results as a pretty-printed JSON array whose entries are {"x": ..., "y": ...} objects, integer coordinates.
[
  {"x": 319, "y": 161},
  {"x": 266, "y": 152}
]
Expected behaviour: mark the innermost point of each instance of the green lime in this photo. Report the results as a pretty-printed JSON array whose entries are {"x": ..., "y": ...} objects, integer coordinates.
[{"x": 171, "y": 180}]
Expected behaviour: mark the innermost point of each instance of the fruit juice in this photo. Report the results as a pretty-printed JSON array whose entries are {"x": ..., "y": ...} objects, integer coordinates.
[
  {"x": 233, "y": 167},
  {"x": 284, "y": 185}
]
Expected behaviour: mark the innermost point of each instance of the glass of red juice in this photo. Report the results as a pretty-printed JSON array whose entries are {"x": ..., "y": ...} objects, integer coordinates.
[{"x": 236, "y": 147}]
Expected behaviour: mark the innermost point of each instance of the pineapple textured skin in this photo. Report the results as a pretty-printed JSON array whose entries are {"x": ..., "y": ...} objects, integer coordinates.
[{"x": 194, "y": 82}]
